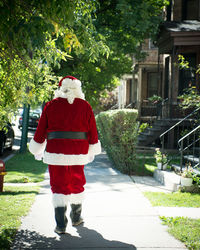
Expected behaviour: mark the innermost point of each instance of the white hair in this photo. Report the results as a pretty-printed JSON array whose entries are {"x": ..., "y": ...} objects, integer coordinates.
[{"x": 70, "y": 89}]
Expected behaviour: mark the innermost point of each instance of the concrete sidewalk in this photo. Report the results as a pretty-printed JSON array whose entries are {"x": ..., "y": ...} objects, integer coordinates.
[{"x": 116, "y": 215}]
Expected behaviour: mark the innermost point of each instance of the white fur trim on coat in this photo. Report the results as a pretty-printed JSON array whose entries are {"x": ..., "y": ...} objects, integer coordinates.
[
  {"x": 37, "y": 148},
  {"x": 69, "y": 160},
  {"x": 95, "y": 149},
  {"x": 77, "y": 198},
  {"x": 62, "y": 200}
]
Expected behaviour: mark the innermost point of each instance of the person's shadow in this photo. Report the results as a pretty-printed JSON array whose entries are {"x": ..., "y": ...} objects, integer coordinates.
[{"x": 87, "y": 239}]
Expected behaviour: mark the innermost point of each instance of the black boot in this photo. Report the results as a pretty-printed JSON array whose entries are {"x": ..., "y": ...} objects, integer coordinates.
[
  {"x": 76, "y": 214},
  {"x": 61, "y": 220}
]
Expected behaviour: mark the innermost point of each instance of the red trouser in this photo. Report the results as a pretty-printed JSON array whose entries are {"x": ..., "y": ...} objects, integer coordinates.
[{"x": 67, "y": 179}]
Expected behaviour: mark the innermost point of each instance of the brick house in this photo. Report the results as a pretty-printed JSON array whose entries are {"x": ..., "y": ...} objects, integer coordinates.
[
  {"x": 136, "y": 88},
  {"x": 179, "y": 35}
]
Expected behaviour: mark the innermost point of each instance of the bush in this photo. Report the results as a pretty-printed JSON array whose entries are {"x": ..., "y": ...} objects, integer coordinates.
[
  {"x": 143, "y": 127},
  {"x": 118, "y": 131}
]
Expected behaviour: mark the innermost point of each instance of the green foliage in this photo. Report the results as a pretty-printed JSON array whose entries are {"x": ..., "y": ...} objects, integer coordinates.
[
  {"x": 186, "y": 230},
  {"x": 15, "y": 203},
  {"x": 196, "y": 179},
  {"x": 176, "y": 199},
  {"x": 126, "y": 23},
  {"x": 190, "y": 98},
  {"x": 118, "y": 130},
  {"x": 24, "y": 168},
  {"x": 43, "y": 40},
  {"x": 160, "y": 158},
  {"x": 120, "y": 28},
  {"x": 183, "y": 64},
  {"x": 155, "y": 99},
  {"x": 145, "y": 164},
  {"x": 188, "y": 172},
  {"x": 143, "y": 127},
  {"x": 98, "y": 77},
  {"x": 34, "y": 37}
]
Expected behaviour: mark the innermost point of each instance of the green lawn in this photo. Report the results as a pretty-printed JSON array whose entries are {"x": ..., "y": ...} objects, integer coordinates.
[
  {"x": 145, "y": 164},
  {"x": 176, "y": 199},
  {"x": 15, "y": 203},
  {"x": 24, "y": 168},
  {"x": 186, "y": 230}
]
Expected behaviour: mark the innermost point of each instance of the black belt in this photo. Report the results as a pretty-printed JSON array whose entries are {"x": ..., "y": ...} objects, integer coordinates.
[{"x": 67, "y": 135}]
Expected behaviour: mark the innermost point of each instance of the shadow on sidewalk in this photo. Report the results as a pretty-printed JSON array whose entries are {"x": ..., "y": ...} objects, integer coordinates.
[{"x": 87, "y": 239}]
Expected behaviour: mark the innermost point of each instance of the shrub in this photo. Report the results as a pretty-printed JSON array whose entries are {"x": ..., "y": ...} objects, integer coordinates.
[
  {"x": 143, "y": 127},
  {"x": 118, "y": 131}
]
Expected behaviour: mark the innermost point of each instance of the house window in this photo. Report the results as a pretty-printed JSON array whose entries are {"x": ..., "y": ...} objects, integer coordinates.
[
  {"x": 151, "y": 45},
  {"x": 152, "y": 84},
  {"x": 190, "y": 9}
]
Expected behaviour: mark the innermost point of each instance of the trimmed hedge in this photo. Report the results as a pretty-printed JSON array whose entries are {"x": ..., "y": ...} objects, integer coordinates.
[{"x": 118, "y": 131}]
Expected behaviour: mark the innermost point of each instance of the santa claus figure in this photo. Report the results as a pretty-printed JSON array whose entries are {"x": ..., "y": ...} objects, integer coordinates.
[{"x": 66, "y": 138}]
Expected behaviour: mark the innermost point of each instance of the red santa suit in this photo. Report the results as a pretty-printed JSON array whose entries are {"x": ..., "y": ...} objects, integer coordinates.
[{"x": 65, "y": 116}]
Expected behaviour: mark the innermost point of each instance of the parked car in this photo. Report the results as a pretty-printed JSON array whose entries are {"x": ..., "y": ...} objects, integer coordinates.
[
  {"x": 6, "y": 138},
  {"x": 34, "y": 118}
]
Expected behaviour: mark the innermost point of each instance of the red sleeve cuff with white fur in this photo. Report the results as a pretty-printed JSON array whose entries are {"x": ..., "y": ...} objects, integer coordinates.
[
  {"x": 95, "y": 149},
  {"x": 37, "y": 148}
]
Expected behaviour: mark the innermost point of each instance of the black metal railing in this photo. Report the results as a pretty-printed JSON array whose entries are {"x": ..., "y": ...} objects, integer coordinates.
[
  {"x": 179, "y": 129},
  {"x": 189, "y": 146},
  {"x": 131, "y": 105},
  {"x": 116, "y": 106},
  {"x": 150, "y": 109},
  {"x": 175, "y": 139},
  {"x": 163, "y": 109}
]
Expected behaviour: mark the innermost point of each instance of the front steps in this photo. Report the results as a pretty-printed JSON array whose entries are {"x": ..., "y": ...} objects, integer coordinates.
[
  {"x": 169, "y": 179},
  {"x": 150, "y": 135},
  {"x": 172, "y": 182}
]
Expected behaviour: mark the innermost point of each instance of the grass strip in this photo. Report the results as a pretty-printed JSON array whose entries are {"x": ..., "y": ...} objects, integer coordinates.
[
  {"x": 24, "y": 168},
  {"x": 184, "y": 229},
  {"x": 145, "y": 165},
  {"x": 15, "y": 203},
  {"x": 176, "y": 199}
]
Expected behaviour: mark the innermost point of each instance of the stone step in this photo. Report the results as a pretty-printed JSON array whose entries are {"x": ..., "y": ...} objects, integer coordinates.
[
  {"x": 149, "y": 136},
  {"x": 177, "y": 167},
  {"x": 155, "y": 128},
  {"x": 191, "y": 158},
  {"x": 172, "y": 182},
  {"x": 168, "y": 178}
]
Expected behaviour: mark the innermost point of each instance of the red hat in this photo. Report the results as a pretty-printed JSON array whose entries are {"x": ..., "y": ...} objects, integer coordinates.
[{"x": 67, "y": 77}]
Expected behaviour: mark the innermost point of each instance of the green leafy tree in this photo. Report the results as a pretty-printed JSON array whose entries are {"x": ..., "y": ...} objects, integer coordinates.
[
  {"x": 191, "y": 96},
  {"x": 30, "y": 33},
  {"x": 94, "y": 40},
  {"x": 122, "y": 25},
  {"x": 126, "y": 23}
]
